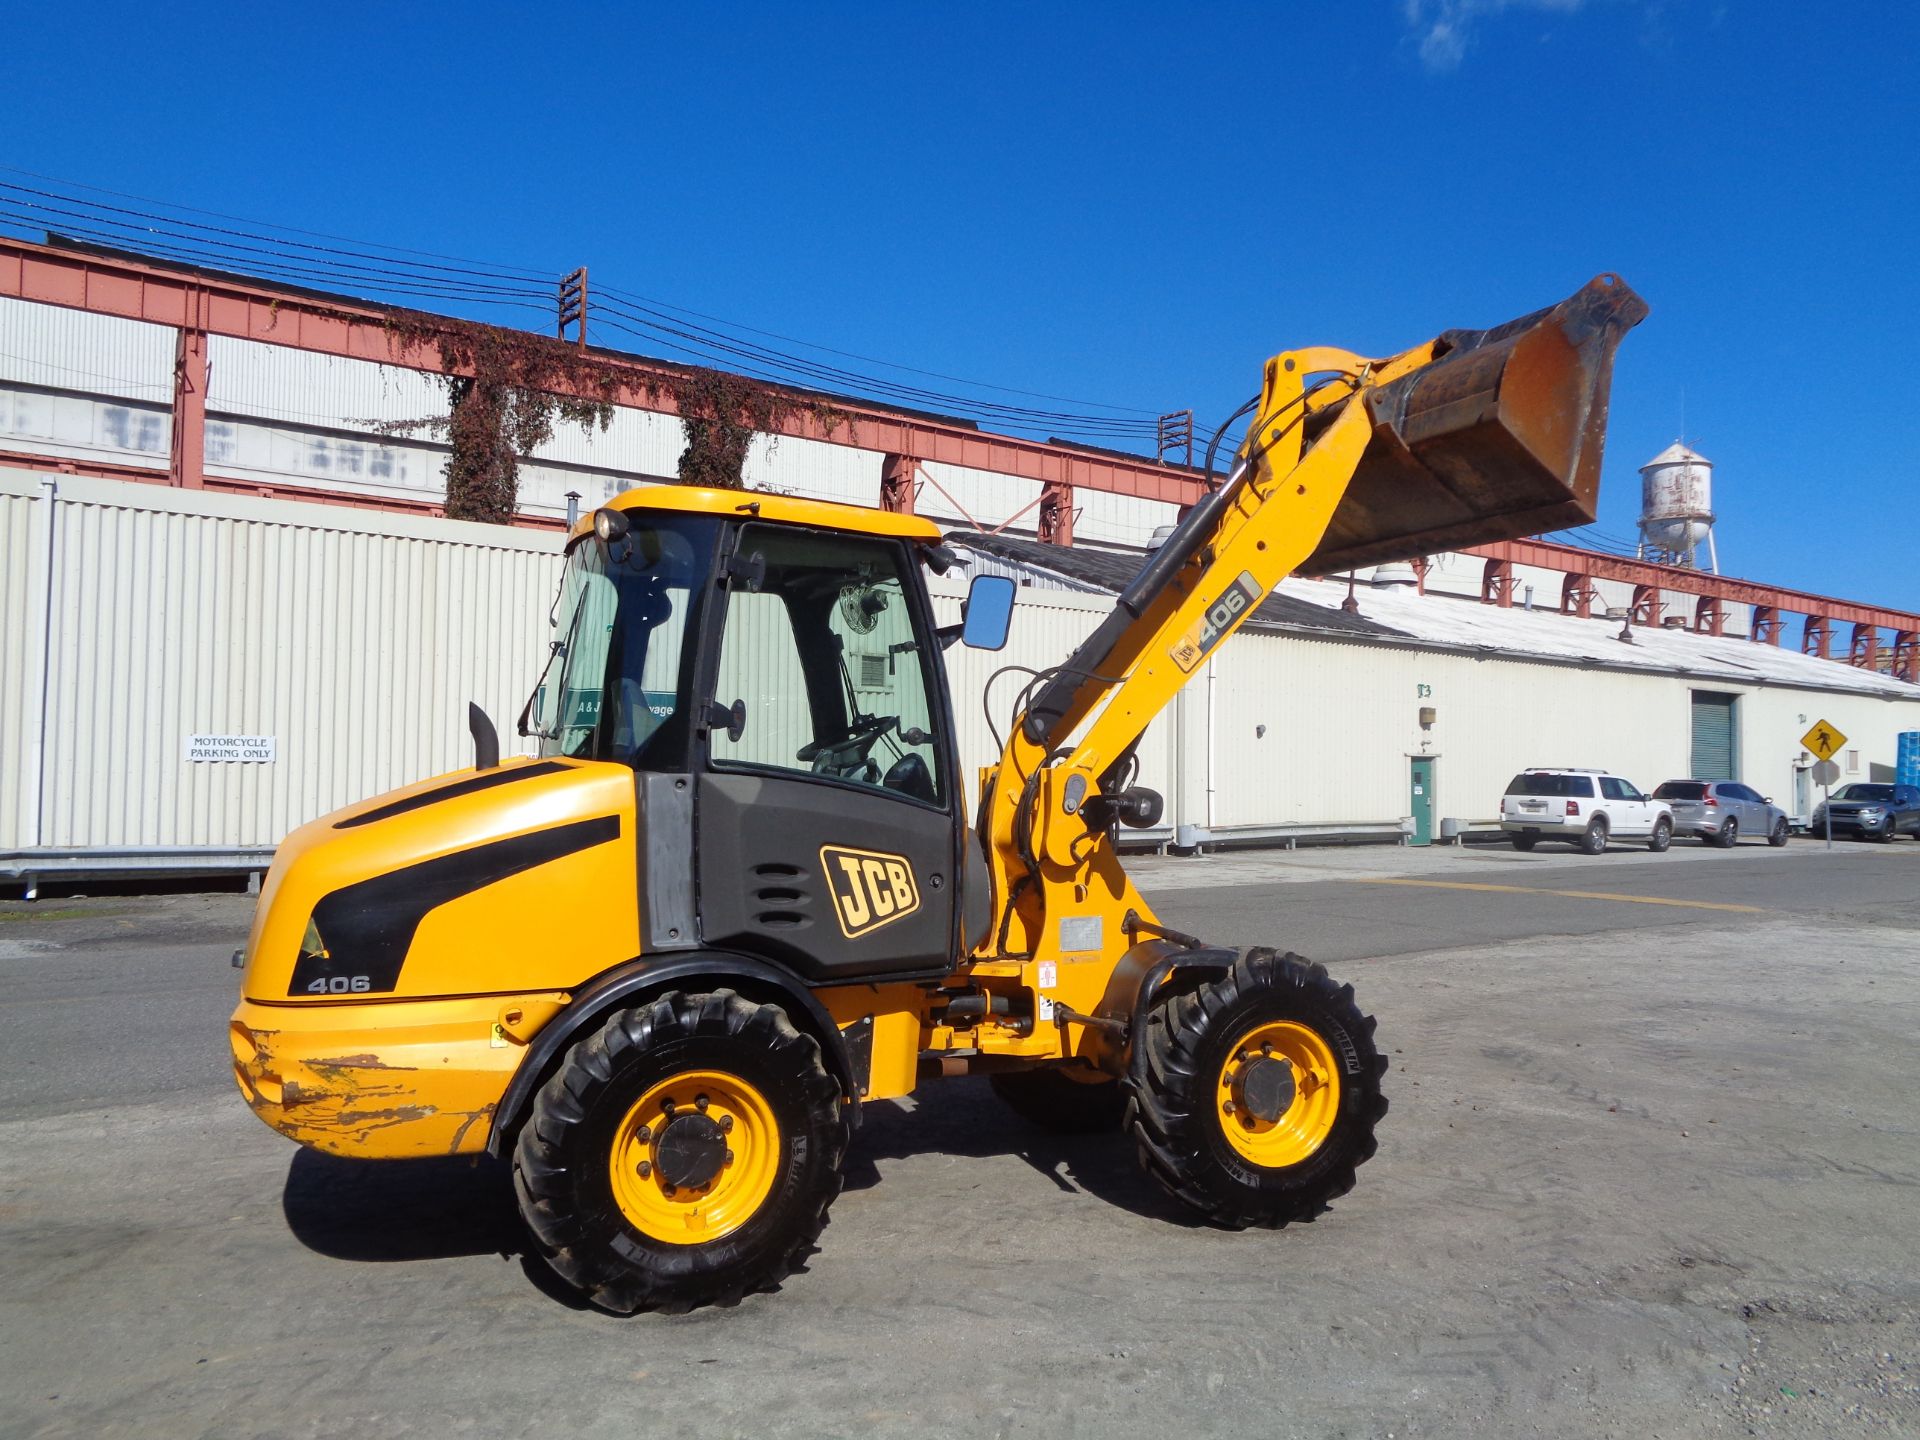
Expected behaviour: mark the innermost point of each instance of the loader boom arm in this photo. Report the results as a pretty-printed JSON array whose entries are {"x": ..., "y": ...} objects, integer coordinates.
[{"x": 1471, "y": 437}]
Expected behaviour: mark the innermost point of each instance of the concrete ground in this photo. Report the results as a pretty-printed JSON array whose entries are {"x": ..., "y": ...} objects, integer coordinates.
[{"x": 1652, "y": 1169}]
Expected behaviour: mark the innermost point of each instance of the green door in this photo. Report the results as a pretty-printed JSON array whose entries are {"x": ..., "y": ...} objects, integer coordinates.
[{"x": 1421, "y": 802}]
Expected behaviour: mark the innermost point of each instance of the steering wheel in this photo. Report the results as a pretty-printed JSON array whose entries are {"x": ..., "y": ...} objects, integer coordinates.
[{"x": 847, "y": 759}]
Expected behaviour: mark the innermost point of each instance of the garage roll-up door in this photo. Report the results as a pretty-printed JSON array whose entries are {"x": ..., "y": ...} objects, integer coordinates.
[{"x": 1713, "y": 735}]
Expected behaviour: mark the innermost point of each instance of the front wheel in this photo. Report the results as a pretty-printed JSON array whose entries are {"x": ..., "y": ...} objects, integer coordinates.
[
  {"x": 1259, "y": 1092},
  {"x": 1886, "y": 832},
  {"x": 1662, "y": 835},
  {"x": 1778, "y": 836},
  {"x": 684, "y": 1154}
]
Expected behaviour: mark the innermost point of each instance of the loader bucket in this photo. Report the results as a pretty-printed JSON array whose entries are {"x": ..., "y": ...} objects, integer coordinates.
[{"x": 1499, "y": 437}]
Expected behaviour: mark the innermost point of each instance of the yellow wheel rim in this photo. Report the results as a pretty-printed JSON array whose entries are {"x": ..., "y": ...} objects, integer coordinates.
[
  {"x": 1272, "y": 1116},
  {"x": 725, "y": 1153}
]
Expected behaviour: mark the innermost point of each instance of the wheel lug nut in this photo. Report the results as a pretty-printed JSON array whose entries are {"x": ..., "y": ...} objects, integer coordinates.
[
  {"x": 726, "y": 1124},
  {"x": 700, "y": 1103},
  {"x": 644, "y": 1134},
  {"x": 666, "y": 1106},
  {"x": 1227, "y": 1109},
  {"x": 644, "y": 1169},
  {"x": 727, "y": 1158},
  {"x": 668, "y": 1189}
]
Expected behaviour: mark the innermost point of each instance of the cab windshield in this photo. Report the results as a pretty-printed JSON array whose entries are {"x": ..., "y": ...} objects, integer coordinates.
[{"x": 619, "y": 674}]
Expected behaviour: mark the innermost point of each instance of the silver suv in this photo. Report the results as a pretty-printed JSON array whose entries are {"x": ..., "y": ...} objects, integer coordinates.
[
  {"x": 1583, "y": 807},
  {"x": 1721, "y": 812}
]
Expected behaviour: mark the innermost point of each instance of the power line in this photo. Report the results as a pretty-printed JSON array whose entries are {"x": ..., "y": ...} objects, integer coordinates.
[{"x": 391, "y": 273}]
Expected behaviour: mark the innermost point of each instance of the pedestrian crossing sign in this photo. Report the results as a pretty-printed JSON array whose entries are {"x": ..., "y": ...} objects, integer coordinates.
[{"x": 1823, "y": 740}]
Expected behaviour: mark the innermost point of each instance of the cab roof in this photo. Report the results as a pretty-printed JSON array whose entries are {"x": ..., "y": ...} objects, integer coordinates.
[{"x": 781, "y": 509}]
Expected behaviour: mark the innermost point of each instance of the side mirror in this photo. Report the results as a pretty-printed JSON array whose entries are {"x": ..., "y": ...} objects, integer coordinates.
[
  {"x": 988, "y": 612},
  {"x": 1769, "y": 799}
]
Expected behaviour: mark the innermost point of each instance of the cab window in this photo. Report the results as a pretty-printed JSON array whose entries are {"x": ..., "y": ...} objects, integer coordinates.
[{"x": 824, "y": 667}]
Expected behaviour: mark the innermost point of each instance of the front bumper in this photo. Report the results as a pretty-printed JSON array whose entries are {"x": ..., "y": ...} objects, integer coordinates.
[
  {"x": 383, "y": 1079},
  {"x": 1850, "y": 825}
]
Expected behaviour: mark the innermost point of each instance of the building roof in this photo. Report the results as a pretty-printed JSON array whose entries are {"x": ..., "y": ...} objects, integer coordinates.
[
  {"x": 1677, "y": 454},
  {"x": 1398, "y": 615}
]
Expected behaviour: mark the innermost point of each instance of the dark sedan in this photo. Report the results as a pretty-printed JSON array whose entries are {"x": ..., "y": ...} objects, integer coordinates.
[{"x": 1874, "y": 812}]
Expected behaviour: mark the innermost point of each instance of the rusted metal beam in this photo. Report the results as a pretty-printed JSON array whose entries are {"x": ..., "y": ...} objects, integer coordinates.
[
  {"x": 1817, "y": 637},
  {"x": 1577, "y": 594},
  {"x": 187, "y": 451},
  {"x": 898, "y": 476},
  {"x": 1710, "y": 615},
  {"x": 1863, "y": 649},
  {"x": 1496, "y": 584},
  {"x": 1055, "y": 523},
  {"x": 1550, "y": 555},
  {"x": 1906, "y": 656},
  {"x": 1647, "y": 605},
  {"x": 359, "y": 330},
  {"x": 1766, "y": 625}
]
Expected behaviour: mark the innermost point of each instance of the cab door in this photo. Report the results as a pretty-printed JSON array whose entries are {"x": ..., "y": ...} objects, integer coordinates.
[{"x": 826, "y": 806}]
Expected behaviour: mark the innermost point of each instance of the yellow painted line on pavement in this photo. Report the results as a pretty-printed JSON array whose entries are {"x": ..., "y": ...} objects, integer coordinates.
[{"x": 1570, "y": 894}]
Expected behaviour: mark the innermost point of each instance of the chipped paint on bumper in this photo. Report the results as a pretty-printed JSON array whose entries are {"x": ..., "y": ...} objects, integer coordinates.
[{"x": 382, "y": 1081}]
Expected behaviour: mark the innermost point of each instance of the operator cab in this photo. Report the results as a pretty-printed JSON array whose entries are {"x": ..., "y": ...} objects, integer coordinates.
[{"x": 771, "y": 671}]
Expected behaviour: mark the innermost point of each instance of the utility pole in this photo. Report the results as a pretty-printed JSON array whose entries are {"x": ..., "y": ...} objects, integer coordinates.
[
  {"x": 572, "y": 308},
  {"x": 1175, "y": 432}
]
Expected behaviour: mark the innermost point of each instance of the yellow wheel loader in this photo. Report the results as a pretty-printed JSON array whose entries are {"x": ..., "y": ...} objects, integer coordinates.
[{"x": 740, "y": 891}]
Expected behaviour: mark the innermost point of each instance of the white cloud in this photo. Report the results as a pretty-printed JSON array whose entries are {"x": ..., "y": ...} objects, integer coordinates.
[{"x": 1442, "y": 28}]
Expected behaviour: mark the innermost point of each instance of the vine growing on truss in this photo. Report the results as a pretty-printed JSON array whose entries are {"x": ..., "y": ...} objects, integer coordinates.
[{"x": 508, "y": 389}]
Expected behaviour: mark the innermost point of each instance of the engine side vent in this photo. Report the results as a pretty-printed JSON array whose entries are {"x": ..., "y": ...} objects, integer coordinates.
[{"x": 782, "y": 920}]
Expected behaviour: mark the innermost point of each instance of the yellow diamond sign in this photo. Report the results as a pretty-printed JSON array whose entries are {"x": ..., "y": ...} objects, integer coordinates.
[{"x": 1823, "y": 740}]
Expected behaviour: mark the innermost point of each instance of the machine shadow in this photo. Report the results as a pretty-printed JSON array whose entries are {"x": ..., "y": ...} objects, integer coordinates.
[
  {"x": 963, "y": 1118},
  {"x": 396, "y": 1210},
  {"x": 387, "y": 1211}
]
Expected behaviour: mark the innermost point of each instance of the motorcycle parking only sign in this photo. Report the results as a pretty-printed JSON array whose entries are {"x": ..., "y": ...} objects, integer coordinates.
[{"x": 256, "y": 749}]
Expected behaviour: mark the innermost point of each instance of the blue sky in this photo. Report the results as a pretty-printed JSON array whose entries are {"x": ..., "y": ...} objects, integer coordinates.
[{"x": 1118, "y": 203}]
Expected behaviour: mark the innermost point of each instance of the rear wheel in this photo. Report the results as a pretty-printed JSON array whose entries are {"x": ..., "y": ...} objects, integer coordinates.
[
  {"x": 1662, "y": 835},
  {"x": 1523, "y": 841},
  {"x": 1058, "y": 1100},
  {"x": 1728, "y": 835},
  {"x": 1778, "y": 835},
  {"x": 684, "y": 1154},
  {"x": 1594, "y": 840},
  {"x": 1259, "y": 1092}
]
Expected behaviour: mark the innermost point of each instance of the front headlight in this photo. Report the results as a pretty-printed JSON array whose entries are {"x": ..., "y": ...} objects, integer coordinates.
[{"x": 1871, "y": 812}]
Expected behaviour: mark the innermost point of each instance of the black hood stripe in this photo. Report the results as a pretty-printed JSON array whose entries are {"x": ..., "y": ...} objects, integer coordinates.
[
  {"x": 368, "y": 927},
  {"x": 449, "y": 792}
]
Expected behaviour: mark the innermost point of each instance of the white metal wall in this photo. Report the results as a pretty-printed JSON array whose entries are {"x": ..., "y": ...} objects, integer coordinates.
[
  {"x": 353, "y": 638},
  {"x": 21, "y": 637}
]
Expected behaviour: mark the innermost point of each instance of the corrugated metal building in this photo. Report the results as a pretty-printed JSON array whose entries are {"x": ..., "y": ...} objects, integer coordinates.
[{"x": 349, "y": 641}]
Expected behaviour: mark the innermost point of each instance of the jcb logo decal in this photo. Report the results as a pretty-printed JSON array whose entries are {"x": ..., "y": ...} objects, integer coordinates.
[
  {"x": 1192, "y": 647},
  {"x": 870, "y": 888}
]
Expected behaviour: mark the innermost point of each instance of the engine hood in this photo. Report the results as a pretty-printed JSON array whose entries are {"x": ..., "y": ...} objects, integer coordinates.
[{"x": 519, "y": 877}]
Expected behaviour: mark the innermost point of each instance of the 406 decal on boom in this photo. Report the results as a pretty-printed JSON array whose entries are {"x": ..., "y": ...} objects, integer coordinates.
[{"x": 741, "y": 890}]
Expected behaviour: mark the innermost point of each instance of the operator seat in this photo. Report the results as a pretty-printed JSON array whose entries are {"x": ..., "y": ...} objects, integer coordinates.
[{"x": 910, "y": 776}]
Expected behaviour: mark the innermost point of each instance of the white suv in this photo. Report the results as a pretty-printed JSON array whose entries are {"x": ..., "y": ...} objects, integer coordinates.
[{"x": 1583, "y": 807}]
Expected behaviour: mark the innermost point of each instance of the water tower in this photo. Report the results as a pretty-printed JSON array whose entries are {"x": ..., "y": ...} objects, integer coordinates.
[{"x": 1676, "y": 508}]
